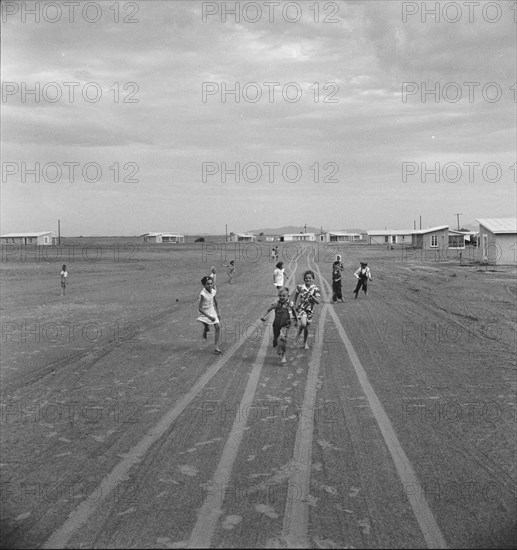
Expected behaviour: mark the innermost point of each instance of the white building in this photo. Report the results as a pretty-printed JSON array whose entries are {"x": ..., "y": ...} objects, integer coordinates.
[
  {"x": 389, "y": 236},
  {"x": 498, "y": 241},
  {"x": 241, "y": 238},
  {"x": 170, "y": 238},
  {"x": 339, "y": 237},
  {"x": 307, "y": 237},
  {"x": 34, "y": 237}
]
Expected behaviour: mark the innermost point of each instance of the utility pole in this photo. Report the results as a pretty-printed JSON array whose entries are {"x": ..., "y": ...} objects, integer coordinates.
[
  {"x": 58, "y": 231},
  {"x": 305, "y": 228},
  {"x": 420, "y": 222},
  {"x": 458, "y": 214}
]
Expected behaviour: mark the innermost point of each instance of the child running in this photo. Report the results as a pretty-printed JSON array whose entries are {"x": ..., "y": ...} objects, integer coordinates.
[
  {"x": 231, "y": 271},
  {"x": 364, "y": 275},
  {"x": 284, "y": 310},
  {"x": 209, "y": 311},
  {"x": 64, "y": 275},
  {"x": 279, "y": 275},
  {"x": 213, "y": 276},
  {"x": 308, "y": 294}
]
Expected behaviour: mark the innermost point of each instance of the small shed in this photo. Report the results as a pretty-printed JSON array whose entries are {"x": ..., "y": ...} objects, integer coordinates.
[
  {"x": 35, "y": 237},
  {"x": 498, "y": 241}
]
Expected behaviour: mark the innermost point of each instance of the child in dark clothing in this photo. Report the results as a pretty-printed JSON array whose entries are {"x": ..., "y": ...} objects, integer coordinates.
[
  {"x": 284, "y": 309},
  {"x": 337, "y": 268},
  {"x": 364, "y": 275}
]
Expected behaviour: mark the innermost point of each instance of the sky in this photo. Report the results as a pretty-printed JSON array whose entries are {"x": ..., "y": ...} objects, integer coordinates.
[{"x": 121, "y": 118}]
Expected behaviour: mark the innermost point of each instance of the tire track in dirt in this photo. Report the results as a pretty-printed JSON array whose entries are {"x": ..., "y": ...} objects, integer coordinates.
[
  {"x": 208, "y": 516},
  {"x": 87, "y": 508},
  {"x": 428, "y": 525}
]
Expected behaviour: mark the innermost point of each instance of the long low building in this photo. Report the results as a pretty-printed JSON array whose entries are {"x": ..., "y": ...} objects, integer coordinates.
[
  {"x": 427, "y": 239},
  {"x": 35, "y": 237},
  {"x": 241, "y": 238},
  {"x": 299, "y": 237},
  {"x": 339, "y": 237},
  {"x": 164, "y": 238},
  {"x": 389, "y": 236}
]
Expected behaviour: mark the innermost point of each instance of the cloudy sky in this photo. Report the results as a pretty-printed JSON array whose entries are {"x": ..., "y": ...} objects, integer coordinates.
[{"x": 344, "y": 111}]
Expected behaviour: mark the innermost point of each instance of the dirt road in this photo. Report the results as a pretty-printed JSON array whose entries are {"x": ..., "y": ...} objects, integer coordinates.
[{"x": 121, "y": 428}]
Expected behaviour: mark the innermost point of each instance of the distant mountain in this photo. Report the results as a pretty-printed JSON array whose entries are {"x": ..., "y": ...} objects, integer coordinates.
[{"x": 299, "y": 229}]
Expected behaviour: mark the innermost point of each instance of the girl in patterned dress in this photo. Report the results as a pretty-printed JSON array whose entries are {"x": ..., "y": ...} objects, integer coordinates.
[{"x": 308, "y": 294}]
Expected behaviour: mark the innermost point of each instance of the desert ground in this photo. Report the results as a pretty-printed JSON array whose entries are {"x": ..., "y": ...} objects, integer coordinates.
[{"x": 122, "y": 429}]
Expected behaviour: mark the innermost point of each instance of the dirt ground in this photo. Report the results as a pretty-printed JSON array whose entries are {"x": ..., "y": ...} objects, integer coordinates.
[{"x": 120, "y": 427}]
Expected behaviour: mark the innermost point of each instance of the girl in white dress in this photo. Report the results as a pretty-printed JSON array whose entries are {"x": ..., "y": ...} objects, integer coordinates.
[
  {"x": 209, "y": 311},
  {"x": 279, "y": 276}
]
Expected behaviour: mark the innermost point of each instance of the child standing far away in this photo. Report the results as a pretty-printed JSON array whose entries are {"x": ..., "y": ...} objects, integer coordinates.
[
  {"x": 209, "y": 311},
  {"x": 64, "y": 275},
  {"x": 231, "y": 271},
  {"x": 337, "y": 268},
  {"x": 308, "y": 294},
  {"x": 363, "y": 274},
  {"x": 213, "y": 276},
  {"x": 279, "y": 276},
  {"x": 284, "y": 311}
]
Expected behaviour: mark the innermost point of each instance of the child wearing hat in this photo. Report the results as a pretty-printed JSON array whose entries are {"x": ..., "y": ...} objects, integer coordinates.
[{"x": 364, "y": 275}]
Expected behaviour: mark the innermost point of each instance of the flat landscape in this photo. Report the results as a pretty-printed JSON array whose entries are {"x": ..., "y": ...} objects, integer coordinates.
[{"x": 121, "y": 428}]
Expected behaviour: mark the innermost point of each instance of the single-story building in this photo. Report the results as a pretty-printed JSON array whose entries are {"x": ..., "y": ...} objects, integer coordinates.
[
  {"x": 389, "y": 236},
  {"x": 458, "y": 239},
  {"x": 241, "y": 238},
  {"x": 497, "y": 241},
  {"x": 173, "y": 238},
  {"x": 338, "y": 237},
  {"x": 432, "y": 238},
  {"x": 298, "y": 237},
  {"x": 35, "y": 237}
]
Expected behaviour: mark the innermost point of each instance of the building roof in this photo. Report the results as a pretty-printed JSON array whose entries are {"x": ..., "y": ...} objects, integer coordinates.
[
  {"x": 390, "y": 232},
  {"x": 339, "y": 233},
  {"x": 466, "y": 233},
  {"x": 161, "y": 235},
  {"x": 28, "y": 234},
  {"x": 429, "y": 230},
  {"x": 499, "y": 225},
  {"x": 298, "y": 234},
  {"x": 406, "y": 231}
]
